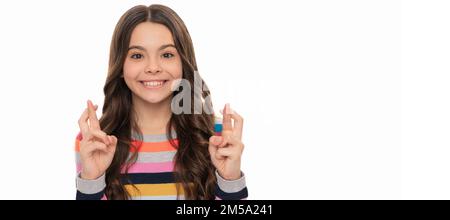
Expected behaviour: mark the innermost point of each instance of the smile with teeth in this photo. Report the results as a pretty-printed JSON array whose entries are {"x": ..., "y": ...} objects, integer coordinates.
[{"x": 153, "y": 83}]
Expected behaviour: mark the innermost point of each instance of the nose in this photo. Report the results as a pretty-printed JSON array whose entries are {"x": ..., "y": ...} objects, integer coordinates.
[{"x": 153, "y": 67}]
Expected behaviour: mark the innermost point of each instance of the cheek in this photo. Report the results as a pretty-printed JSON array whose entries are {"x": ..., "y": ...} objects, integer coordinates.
[
  {"x": 131, "y": 70},
  {"x": 174, "y": 69}
]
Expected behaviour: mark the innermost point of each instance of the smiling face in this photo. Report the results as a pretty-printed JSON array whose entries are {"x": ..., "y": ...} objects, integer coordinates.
[{"x": 152, "y": 63}]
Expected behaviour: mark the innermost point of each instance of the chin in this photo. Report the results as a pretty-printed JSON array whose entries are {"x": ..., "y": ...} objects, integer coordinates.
[{"x": 154, "y": 98}]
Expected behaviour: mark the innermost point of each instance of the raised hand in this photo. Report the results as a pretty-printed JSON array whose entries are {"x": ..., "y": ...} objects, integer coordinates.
[
  {"x": 96, "y": 147},
  {"x": 226, "y": 150}
]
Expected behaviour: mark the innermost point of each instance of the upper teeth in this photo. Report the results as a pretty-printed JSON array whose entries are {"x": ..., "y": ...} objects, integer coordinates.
[{"x": 153, "y": 83}]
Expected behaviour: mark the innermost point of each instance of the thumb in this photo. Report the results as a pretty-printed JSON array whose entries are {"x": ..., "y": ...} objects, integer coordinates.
[
  {"x": 114, "y": 140},
  {"x": 214, "y": 143},
  {"x": 113, "y": 143},
  {"x": 215, "y": 140}
]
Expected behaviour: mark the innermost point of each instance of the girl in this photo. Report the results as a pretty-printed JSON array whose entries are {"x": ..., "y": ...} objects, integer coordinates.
[{"x": 140, "y": 148}]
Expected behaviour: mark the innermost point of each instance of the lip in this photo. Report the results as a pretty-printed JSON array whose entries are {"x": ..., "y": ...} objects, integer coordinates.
[{"x": 146, "y": 83}]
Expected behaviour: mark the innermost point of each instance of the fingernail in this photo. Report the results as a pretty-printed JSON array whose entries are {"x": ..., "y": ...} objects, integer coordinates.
[
  {"x": 217, "y": 140},
  {"x": 227, "y": 108}
]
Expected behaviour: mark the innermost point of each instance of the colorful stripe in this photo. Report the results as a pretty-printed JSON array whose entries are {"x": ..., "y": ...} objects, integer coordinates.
[
  {"x": 152, "y": 146},
  {"x": 149, "y": 178},
  {"x": 144, "y": 167},
  {"x": 165, "y": 189},
  {"x": 151, "y": 167}
]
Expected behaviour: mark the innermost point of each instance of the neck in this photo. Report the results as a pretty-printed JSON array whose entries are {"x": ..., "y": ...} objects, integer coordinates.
[{"x": 152, "y": 118}]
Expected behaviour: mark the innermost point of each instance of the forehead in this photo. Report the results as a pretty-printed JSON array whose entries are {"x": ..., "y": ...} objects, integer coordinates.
[{"x": 151, "y": 35}]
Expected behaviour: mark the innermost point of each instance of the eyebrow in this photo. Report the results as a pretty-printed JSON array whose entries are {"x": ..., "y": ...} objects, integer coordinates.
[{"x": 142, "y": 48}]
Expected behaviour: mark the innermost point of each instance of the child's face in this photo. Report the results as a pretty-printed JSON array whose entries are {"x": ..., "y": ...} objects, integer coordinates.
[{"x": 152, "y": 63}]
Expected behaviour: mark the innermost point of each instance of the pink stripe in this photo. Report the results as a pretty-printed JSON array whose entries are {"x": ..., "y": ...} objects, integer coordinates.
[
  {"x": 145, "y": 167},
  {"x": 104, "y": 197},
  {"x": 151, "y": 167}
]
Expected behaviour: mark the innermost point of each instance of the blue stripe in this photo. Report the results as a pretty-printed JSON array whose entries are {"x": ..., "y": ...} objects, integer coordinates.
[
  {"x": 148, "y": 178},
  {"x": 242, "y": 194},
  {"x": 217, "y": 127},
  {"x": 96, "y": 196}
]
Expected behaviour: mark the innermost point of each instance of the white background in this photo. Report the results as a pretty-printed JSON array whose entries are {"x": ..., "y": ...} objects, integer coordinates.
[{"x": 341, "y": 99}]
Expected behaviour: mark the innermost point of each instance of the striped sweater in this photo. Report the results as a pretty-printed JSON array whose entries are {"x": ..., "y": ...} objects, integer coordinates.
[{"x": 152, "y": 174}]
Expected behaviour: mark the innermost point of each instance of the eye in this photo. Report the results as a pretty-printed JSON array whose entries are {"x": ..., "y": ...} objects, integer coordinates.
[
  {"x": 136, "y": 56},
  {"x": 167, "y": 55}
]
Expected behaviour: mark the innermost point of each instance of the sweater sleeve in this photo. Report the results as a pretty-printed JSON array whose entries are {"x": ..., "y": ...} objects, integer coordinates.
[
  {"x": 87, "y": 189},
  {"x": 90, "y": 189},
  {"x": 231, "y": 190}
]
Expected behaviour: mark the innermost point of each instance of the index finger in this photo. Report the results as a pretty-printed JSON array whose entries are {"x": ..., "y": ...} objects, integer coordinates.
[
  {"x": 226, "y": 123},
  {"x": 82, "y": 122},
  {"x": 93, "y": 120}
]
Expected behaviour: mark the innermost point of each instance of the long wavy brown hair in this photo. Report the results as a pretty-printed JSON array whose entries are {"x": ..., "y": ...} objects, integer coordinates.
[{"x": 194, "y": 171}]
